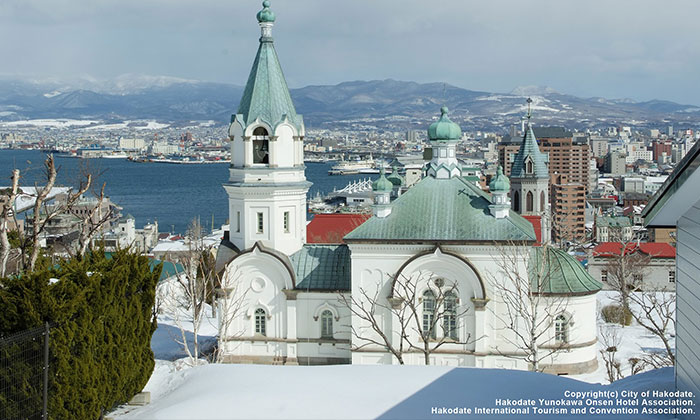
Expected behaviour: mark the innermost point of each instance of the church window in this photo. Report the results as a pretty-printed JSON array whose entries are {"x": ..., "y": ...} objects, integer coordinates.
[
  {"x": 238, "y": 221},
  {"x": 286, "y": 222},
  {"x": 529, "y": 201},
  {"x": 541, "y": 200},
  {"x": 604, "y": 275},
  {"x": 672, "y": 276},
  {"x": 261, "y": 146},
  {"x": 326, "y": 324},
  {"x": 261, "y": 226},
  {"x": 528, "y": 166},
  {"x": 450, "y": 316},
  {"x": 561, "y": 330},
  {"x": 260, "y": 320},
  {"x": 516, "y": 202},
  {"x": 429, "y": 314}
]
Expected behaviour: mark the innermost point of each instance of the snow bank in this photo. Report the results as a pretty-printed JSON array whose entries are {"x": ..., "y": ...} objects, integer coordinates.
[{"x": 359, "y": 392}]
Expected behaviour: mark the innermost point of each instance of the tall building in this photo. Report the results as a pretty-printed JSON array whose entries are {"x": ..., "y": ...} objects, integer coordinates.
[
  {"x": 564, "y": 157},
  {"x": 660, "y": 148},
  {"x": 568, "y": 209},
  {"x": 615, "y": 163}
]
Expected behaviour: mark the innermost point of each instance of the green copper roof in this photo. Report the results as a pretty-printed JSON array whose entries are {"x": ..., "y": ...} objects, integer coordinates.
[
  {"x": 382, "y": 184},
  {"x": 266, "y": 95},
  {"x": 443, "y": 210},
  {"x": 266, "y": 15},
  {"x": 322, "y": 267},
  {"x": 500, "y": 182},
  {"x": 560, "y": 273},
  {"x": 529, "y": 151},
  {"x": 444, "y": 128},
  {"x": 394, "y": 177}
]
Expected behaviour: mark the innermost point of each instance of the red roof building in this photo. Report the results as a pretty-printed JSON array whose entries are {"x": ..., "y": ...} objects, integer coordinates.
[
  {"x": 331, "y": 228},
  {"x": 537, "y": 224},
  {"x": 653, "y": 249}
]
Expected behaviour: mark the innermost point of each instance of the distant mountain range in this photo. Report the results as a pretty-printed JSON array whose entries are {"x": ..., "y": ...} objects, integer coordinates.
[{"x": 384, "y": 104}]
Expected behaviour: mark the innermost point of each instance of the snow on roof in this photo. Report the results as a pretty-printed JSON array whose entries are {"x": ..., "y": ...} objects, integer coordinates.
[{"x": 26, "y": 199}]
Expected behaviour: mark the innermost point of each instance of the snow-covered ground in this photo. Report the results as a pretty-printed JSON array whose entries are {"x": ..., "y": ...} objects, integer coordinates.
[{"x": 215, "y": 391}]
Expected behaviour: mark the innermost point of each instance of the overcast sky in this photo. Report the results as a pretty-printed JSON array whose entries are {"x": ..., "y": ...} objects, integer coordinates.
[{"x": 614, "y": 48}]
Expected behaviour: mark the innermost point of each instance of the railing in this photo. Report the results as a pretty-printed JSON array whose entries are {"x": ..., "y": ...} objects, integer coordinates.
[{"x": 24, "y": 374}]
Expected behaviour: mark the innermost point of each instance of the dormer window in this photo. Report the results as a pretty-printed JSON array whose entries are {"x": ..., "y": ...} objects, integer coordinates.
[
  {"x": 528, "y": 167},
  {"x": 261, "y": 146}
]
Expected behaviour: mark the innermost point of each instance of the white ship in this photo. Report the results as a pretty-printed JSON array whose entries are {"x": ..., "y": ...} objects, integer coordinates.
[{"x": 352, "y": 167}]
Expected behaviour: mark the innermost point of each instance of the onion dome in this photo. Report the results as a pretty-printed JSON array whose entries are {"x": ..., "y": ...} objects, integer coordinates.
[
  {"x": 394, "y": 177},
  {"x": 266, "y": 15},
  {"x": 382, "y": 184},
  {"x": 444, "y": 128},
  {"x": 500, "y": 182}
]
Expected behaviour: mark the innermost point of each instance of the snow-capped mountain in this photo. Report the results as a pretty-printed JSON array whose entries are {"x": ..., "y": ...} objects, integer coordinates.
[{"x": 384, "y": 102}]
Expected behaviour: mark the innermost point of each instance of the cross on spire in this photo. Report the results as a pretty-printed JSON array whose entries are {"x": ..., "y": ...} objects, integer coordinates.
[{"x": 529, "y": 110}]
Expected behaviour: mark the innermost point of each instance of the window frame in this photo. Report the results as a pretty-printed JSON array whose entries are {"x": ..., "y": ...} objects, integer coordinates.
[
  {"x": 326, "y": 318},
  {"x": 260, "y": 222},
  {"x": 562, "y": 330},
  {"x": 260, "y": 322}
]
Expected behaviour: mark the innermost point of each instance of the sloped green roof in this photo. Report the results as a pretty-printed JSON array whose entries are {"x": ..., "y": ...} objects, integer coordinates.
[
  {"x": 529, "y": 148},
  {"x": 443, "y": 210},
  {"x": 266, "y": 94},
  {"x": 322, "y": 267},
  {"x": 560, "y": 273}
]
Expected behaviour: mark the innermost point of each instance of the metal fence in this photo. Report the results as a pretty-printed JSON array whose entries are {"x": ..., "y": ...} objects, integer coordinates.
[{"x": 24, "y": 369}]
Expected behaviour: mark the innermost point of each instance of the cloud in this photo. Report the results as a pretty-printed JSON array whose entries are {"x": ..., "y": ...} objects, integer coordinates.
[{"x": 640, "y": 49}]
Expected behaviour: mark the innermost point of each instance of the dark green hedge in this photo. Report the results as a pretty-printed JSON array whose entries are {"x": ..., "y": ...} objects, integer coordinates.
[{"x": 101, "y": 312}]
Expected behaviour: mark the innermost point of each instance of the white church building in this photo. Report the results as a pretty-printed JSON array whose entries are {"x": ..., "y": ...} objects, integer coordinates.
[{"x": 286, "y": 301}]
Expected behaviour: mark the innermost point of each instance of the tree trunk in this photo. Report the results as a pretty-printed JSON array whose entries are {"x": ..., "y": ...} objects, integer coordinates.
[{"x": 7, "y": 208}]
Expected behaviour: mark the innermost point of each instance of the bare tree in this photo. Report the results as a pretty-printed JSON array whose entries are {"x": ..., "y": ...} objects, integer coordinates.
[
  {"x": 7, "y": 210},
  {"x": 625, "y": 268},
  {"x": 231, "y": 299},
  {"x": 611, "y": 339},
  {"x": 424, "y": 321},
  {"x": 656, "y": 312},
  {"x": 43, "y": 214},
  {"x": 529, "y": 311},
  {"x": 369, "y": 308},
  {"x": 92, "y": 220}
]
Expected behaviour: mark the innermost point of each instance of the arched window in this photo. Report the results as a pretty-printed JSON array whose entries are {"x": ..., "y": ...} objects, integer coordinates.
[
  {"x": 261, "y": 146},
  {"x": 449, "y": 325},
  {"x": 561, "y": 329},
  {"x": 529, "y": 201},
  {"x": 528, "y": 166},
  {"x": 429, "y": 314},
  {"x": 326, "y": 324},
  {"x": 260, "y": 319},
  {"x": 516, "y": 202},
  {"x": 542, "y": 201}
]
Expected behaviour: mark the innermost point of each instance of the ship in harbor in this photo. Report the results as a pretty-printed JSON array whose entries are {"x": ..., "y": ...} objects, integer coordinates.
[{"x": 354, "y": 167}]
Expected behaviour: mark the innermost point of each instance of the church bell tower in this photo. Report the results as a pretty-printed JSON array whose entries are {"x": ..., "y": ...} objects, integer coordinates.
[{"x": 267, "y": 187}]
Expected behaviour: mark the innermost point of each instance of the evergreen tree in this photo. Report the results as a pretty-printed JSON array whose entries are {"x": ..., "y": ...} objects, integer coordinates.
[{"x": 101, "y": 312}]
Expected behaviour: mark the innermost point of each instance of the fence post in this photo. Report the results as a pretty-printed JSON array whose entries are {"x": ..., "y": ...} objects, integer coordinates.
[{"x": 44, "y": 413}]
